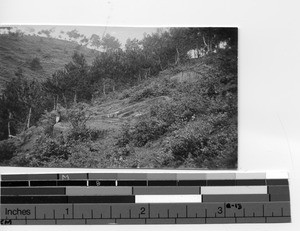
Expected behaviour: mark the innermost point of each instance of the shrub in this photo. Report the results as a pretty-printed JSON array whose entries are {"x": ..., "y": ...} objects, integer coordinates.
[
  {"x": 47, "y": 121},
  {"x": 145, "y": 130},
  {"x": 35, "y": 64},
  {"x": 78, "y": 115},
  {"x": 7, "y": 149},
  {"x": 85, "y": 134}
]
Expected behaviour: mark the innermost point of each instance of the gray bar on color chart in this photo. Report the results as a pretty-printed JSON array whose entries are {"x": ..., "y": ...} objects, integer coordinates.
[
  {"x": 220, "y": 176},
  {"x": 14, "y": 177},
  {"x": 72, "y": 176},
  {"x": 191, "y": 176},
  {"x": 95, "y": 191},
  {"x": 161, "y": 176},
  {"x": 168, "y": 190},
  {"x": 43, "y": 177},
  {"x": 132, "y": 176},
  {"x": 236, "y": 198},
  {"x": 103, "y": 176},
  {"x": 280, "y": 189},
  {"x": 280, "y": 197}
]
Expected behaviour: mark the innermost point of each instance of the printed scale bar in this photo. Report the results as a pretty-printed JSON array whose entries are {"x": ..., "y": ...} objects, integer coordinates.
[{"x": 146, "y": 213}]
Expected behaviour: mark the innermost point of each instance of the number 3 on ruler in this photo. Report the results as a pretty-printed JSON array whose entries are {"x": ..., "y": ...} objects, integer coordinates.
[{"x": 220, "y": 210}]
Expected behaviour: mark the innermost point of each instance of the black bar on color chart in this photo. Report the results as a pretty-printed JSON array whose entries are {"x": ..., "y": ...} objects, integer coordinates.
[
  {"x": 132, "y": 183},
  {"x": 162, "y": 183},
  {"x": 33, "y": 191},
  {"x": 33, "y": 199},
  {"x": 192, "y": 183},
  {"x": 277, "y": 182},
  {"x": 14, "y": 183},
  {"x": 72, "y": 183},
  {"x": 221, "y": 183},
  {"x": 43, "y": 183},
  {"x": 102, "y": 183},
  {"x": 250, "y": 182}
]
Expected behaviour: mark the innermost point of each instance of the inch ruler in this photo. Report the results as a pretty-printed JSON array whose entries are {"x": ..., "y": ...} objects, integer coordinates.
[{"x": 144, "y": 198}]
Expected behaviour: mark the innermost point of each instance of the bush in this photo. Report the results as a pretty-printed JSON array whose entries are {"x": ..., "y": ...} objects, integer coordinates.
[
  {"x": 7, "y": 149},
  {"x": 35, "y": 64},
  {"x": 47, "y": 121},
  {"x": 145, "y": 130},
  {"x": 85, "y": 134},
  {"x": 158, "y": 87},
  {"x": 78, "y": 115}
]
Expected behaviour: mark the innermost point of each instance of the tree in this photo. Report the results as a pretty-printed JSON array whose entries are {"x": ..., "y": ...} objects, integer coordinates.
[
  {"x": 95, "y": 41},
  {"x": 110, "y": 43},
  {"x": 73, "y": 34},
  {"x": 24, "y": 101},
  {"x": 46, "y": 32},
  {"x": 84, "y": 41}
]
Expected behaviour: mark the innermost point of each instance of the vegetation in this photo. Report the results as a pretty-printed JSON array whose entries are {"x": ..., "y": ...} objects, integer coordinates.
[{"x": 147, "y": 105}]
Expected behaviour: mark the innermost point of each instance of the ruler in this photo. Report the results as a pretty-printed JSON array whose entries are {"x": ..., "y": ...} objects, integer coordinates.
[{"x": 144, "y": 198}]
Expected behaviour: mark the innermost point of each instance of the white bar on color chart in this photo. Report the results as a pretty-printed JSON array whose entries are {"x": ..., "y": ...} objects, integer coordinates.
[
  {"x": 219, "y": 190},
  {"x": 277, "y": 175},
  {"x": 168, "y": 198}
]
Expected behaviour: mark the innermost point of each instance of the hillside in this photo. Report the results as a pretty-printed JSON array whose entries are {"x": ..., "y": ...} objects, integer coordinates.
[
  {"x": 18, "y": 52},
  {"x": 168, "y": 121},
  {"x": 146, "y": 106}
]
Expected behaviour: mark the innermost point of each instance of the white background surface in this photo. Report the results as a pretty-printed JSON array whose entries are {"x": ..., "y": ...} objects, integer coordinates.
[{"x": 269, "y": 80}]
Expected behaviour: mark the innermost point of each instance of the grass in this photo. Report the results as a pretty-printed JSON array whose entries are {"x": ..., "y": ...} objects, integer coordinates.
[{"x": 52, "y": 53}]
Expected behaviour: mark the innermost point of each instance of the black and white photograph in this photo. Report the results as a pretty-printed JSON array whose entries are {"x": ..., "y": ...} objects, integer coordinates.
[{"x": 119, "y": 97}]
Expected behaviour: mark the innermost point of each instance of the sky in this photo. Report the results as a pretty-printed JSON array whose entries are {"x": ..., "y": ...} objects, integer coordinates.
[{"x": 121, "y": 33}]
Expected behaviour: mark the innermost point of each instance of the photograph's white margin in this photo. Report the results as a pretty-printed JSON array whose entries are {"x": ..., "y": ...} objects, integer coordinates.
[{"x": 269, "y": 55}]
